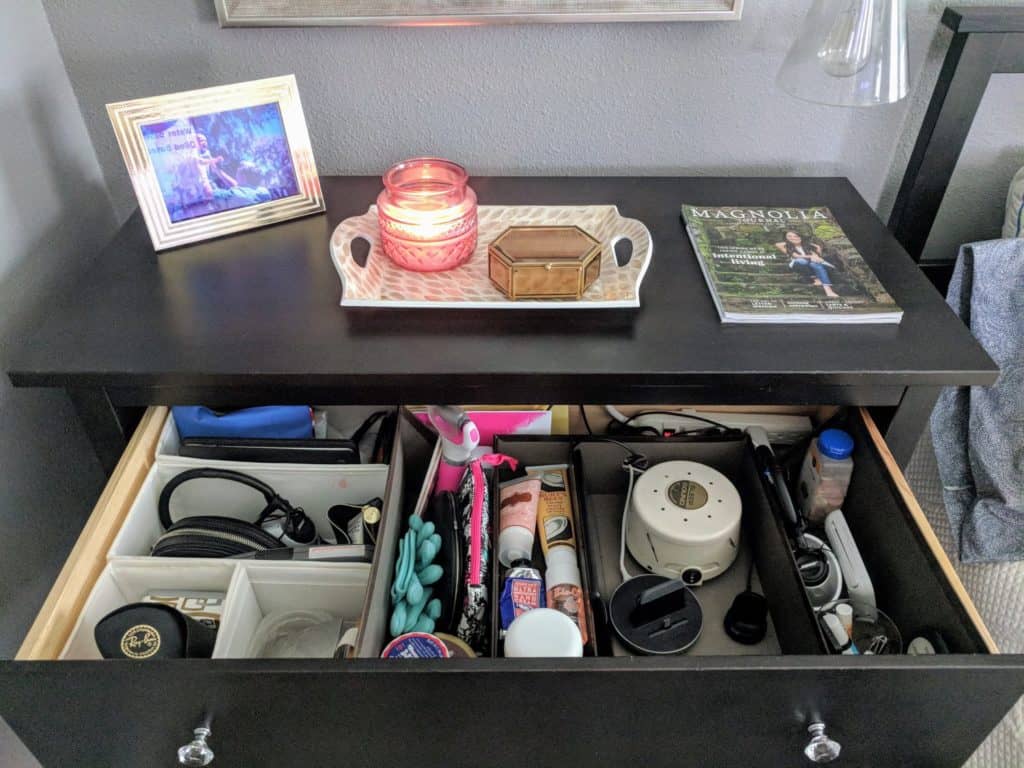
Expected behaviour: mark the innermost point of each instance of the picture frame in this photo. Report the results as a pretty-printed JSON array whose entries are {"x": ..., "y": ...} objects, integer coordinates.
[
  {"x": 220, "y": 160},
  {"x": 280, "y": 13}
]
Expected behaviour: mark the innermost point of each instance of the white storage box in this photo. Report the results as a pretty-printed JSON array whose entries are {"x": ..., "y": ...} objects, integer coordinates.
[
  {"x": 252, "y": 590},
  {"x": 262, "y": 589},
  {"x": 128, "y": 581},
  {"x": 314, "y": 487}
]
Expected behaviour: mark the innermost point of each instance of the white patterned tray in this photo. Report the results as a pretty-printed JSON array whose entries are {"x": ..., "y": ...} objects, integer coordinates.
[{"x": 380, "y": 283}]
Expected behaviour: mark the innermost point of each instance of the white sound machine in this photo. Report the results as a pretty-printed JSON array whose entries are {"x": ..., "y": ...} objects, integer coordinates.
[{"x": 684, "y": 521}]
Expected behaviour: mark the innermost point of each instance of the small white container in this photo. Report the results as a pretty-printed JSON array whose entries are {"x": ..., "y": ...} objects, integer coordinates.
[
  {"x": 825, "y": 474},
  {"x": 543, "y": 633}
]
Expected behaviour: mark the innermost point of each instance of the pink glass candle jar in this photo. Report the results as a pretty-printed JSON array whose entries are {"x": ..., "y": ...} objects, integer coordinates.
[{"x": 427, "y": 214}]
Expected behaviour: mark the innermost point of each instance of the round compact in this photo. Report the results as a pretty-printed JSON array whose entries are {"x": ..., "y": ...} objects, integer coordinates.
[
  {"x": 457, "y": 649},
  {"x": 416, "y": 645},
  {"x": 684, "y": 520},
  {"x": 543, "y": 633}
]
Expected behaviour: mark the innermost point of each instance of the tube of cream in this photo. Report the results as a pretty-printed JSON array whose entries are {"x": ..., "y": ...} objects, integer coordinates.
[
  {"x": 523, "y": 591},
  {"x": 565, "y": 588},
  {"x": 517, "y": 506},
  {"x": 554, "y": 512}
]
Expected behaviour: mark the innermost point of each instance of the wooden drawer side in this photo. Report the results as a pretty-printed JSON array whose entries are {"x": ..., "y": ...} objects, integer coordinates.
[
  {"x": 927, "y": 532},
  {"x": 57, "y": 617}
]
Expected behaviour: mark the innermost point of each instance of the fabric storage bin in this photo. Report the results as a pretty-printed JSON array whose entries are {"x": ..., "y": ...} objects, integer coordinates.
[
  {"x": 342, "y": 421},
  {"x": 251, "y": 591},
  {"x": 128, "y": 581},
  {"x": 129, "y": 521},
  {"x": 600, "y": 487},
  {"x": 314, "y": 487},
  {"x": 261, "y": 589}
]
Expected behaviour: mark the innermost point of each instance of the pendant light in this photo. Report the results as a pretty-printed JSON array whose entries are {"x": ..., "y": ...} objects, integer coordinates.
[{"x": 850, "y": 53}]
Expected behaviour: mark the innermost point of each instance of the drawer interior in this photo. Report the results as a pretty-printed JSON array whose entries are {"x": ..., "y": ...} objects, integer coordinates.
[
  {"x": 601, "y": 487},
  {"x": 914, "y": 582},
  {"x": 912, "y": 585},
  {"x": 126, "y": 520}
]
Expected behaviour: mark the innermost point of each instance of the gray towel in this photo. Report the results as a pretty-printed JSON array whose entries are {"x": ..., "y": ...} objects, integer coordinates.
[{"x": 979, "y": 431}]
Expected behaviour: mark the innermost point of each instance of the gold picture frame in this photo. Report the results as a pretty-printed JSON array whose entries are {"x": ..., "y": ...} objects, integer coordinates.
[{"x": 184, "y": 191}]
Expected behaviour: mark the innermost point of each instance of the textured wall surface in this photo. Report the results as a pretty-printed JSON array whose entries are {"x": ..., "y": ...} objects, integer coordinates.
[
  {"x": 591, "y": 99},
  {"x": 54, "y": 209}
]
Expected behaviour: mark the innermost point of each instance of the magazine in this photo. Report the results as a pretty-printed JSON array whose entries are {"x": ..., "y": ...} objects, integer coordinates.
[{"x": 784, "y": 265}]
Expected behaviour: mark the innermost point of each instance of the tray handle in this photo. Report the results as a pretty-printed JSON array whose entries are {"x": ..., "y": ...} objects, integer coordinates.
[
  {"x": 622, "y": 248},
  {"x": 360, "y": 247}
]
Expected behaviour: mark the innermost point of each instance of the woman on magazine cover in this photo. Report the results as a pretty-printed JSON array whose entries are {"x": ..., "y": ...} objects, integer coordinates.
[{"x": 807, "y": 260}]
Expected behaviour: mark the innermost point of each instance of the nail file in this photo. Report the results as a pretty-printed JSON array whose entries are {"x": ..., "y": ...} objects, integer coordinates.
[{"x": 855, "y": 575}]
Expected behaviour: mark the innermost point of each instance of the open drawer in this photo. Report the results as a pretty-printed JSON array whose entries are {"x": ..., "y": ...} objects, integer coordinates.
[{"x": 706, "y": 710}]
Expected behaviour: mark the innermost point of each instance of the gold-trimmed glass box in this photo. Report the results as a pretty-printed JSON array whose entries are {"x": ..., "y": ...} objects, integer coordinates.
[{"x": 544, "y": 262}]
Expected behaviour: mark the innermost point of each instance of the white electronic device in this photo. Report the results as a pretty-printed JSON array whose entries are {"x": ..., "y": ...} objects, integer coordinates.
[
  {"x": 858, "y": 583},
  {"x": 684, "y": 521}
]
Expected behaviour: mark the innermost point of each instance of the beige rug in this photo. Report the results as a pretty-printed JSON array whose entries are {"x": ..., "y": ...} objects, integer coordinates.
[{"x": 998, "y": 592}]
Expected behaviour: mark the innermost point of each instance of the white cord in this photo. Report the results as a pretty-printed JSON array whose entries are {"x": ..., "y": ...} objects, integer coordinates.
[
  {"x": 616, "y": 414},
  {"x": 633, "y": 472}
]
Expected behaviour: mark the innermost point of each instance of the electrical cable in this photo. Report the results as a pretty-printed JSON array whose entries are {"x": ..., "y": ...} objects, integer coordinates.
[
  {"x": 616, "y": 414},
  {"x": 633, "y": 472},
  {"x": 678, "y": 414},
  {"x": 586, "y": 421},
  {"x": 635, "y": 464}
]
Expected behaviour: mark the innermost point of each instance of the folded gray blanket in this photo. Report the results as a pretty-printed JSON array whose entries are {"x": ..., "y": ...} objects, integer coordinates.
[{"x": 979, "y": 431}]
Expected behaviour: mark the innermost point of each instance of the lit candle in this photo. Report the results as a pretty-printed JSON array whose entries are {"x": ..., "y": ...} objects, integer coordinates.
[{"x": 427, "y": 215}]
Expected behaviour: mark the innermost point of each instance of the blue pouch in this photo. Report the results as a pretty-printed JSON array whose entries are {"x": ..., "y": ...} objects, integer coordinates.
[{"x": 293, "y": 422}]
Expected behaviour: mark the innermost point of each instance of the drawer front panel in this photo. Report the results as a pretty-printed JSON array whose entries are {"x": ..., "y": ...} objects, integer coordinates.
[{"x": 454, "y": 714}]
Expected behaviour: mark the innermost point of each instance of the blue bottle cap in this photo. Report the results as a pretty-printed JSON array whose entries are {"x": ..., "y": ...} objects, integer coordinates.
[{"x": 835, "y": 444}]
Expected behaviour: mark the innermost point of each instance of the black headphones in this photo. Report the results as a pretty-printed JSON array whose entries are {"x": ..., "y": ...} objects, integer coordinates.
[{"x": 213, "y": 536}]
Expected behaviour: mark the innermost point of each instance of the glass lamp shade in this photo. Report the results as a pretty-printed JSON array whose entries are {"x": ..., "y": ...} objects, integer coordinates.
[{"x": 850, "y": 53}]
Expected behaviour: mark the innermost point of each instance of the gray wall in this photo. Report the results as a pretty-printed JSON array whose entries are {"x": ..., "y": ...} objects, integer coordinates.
[
  {"x": 54, "y": 210},
  {"x": 659, "y": 98}
]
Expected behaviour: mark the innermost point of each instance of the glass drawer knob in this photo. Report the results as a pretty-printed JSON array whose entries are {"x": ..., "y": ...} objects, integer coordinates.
[
  {"x": 821, "y": 749},
  {"x": 197, "y": 752}
]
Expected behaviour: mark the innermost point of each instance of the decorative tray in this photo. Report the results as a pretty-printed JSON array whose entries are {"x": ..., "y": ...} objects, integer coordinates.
[{"x": 378, "y": 282}]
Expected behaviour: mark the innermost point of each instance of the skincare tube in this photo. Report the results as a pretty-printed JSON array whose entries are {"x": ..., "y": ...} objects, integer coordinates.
[
  {"x": 565, "y": 588},
  {"x": 554, "y": 512},
  {"x": 517, "y": 518},
  {"x": 523, "y": 591}
]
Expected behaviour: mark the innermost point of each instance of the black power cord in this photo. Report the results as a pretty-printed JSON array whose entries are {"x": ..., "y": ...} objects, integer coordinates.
[
  {"x": 586, "y": 421},
  {"x": 712, "y": 427}
]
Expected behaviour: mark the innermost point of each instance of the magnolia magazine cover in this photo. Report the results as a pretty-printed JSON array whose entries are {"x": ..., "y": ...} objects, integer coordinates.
[{"x": 785, "y": 265}]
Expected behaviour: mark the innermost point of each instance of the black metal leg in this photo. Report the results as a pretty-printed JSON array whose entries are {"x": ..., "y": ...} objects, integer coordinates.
[
  {"x": 969, "y": 64},
  {"x": 105, "y": 425},
  {"x": 909, "y": 421}
]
